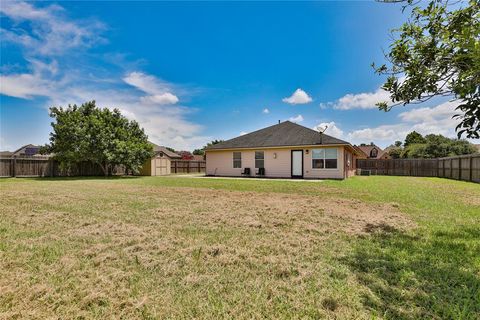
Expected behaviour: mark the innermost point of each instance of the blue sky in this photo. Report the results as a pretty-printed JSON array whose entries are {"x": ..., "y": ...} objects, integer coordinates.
[{"x": 190, "y": 72}]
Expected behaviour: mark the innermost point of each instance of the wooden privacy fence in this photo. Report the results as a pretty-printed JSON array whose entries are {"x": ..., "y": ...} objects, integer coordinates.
[
  {"x": 465, "y": 167},
  {"x": 187, "y": 166},
  {"x": 45, "y": 167}
]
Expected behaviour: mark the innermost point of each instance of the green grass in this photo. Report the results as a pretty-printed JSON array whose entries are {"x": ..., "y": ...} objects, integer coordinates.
[{"x": 177, "y": 247}]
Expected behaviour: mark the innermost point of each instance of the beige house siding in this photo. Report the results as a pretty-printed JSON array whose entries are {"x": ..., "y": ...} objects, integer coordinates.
[{"x": 277, "y": 163}]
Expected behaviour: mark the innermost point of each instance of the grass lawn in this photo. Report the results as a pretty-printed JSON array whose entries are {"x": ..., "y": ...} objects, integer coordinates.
[{"x": 175, "y": 247}]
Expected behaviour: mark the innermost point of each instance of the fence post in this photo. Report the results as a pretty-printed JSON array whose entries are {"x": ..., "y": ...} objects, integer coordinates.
[
  {"x": 438, "y": 169},
  {"x": 175, "y": 166},
  {"x": 188, "y": 166},
  {"x": 14, "y": 166},
  {"x": 459, "y": 168},
  {"x": 198, "y": 166},
  {"x": 451, "y": 168},
  {"x": 470, "y": 168}
]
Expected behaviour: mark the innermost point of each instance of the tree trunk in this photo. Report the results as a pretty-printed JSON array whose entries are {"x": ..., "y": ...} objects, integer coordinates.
[{"x": 104, "y": 167}]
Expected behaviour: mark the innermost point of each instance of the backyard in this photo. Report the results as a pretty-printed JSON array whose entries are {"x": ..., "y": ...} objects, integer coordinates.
[{"x": 183, "y": 247}]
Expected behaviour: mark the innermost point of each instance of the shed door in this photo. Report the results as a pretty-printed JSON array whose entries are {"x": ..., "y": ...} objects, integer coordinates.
[
  {"x": 297, "y": 163},
  {"x": 161, "y": 166}
]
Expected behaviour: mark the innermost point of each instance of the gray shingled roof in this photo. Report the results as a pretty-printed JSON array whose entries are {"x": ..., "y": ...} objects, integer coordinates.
[
  {"x": 283, "y": 134},
  {"x": 168, "y": 153}
]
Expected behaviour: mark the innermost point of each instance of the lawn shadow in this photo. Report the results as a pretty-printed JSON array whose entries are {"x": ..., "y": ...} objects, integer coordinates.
[{"x": 414, "y": 275}]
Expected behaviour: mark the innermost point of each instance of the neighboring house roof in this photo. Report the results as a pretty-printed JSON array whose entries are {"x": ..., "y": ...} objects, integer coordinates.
[
  {"x": 27, "y": 150},
  {"x": 168, "y": 153},
  {"x": 197, "y": 157},
  {"x": 368, "y": 149},
  {"x": 283, "y": 134},
  {"x": 6, "y": 154},
  {"x": 360, "y": 152}
]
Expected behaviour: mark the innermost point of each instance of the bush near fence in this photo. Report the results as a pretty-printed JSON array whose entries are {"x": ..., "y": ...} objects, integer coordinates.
[{"x": 466, "y": 167}]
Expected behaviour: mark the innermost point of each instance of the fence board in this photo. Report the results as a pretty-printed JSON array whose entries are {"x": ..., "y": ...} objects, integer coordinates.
[
  {"x": 465, "y": 167},
  {"x": 187, "y": 166},
  {"x": 45, "y": 167}
]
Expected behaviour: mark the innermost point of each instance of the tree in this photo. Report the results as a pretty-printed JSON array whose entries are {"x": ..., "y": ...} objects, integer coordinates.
[
  {"x": 198, "y": 152},
  {"x": 438, "y": 146},
  {"x": 437, "y": 53},
  {"x": 102, "y": 136},
  {"x": 398, "y": 143},
  {"x": 186, "y": 155},
  {"x": 413, "y": 138}
]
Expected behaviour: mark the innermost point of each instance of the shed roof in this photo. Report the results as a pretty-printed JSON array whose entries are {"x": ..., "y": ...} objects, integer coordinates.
[
  {"x": 283, "y": 134},
  {"x": 168, "y": 153}
]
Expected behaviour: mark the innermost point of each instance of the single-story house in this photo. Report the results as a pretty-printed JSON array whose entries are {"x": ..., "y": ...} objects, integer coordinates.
[
  {"x": 160, "y": 164},
  {"x": 284, "y": 150},
  {"x": 373, "y": 152}
]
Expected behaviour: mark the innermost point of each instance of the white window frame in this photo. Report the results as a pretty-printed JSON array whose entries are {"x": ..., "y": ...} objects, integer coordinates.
[
  {"x": 236, "y": 159},
  {"x": 324, "y": 158},
  {"x": 263, "y": 152}
]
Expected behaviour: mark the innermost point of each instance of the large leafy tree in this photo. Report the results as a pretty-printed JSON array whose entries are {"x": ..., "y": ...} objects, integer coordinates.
[
  {"x": 102, "y": 136},
  {"x": 413, "y": 138},
  {"x": 431, "y": 146},
  {"x": 437, "y": 53}
]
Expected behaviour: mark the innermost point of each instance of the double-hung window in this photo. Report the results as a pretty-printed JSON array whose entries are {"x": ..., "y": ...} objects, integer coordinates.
[
  {"x": 259, "y": 159},
  {"x": 324, "y": 158},
  {"x": 237, "y": 159}
]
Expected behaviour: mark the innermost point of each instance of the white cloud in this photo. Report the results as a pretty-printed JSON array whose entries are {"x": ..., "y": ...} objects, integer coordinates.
[
  {"x": 45, "y": 34},
  {"x": 437, "y": 120},
  {"x": 24, "y": 86},
  {"x": 298, "y": 118},
  {"x": 332, "y": 129},
  {"x": 52, "y": 32},
  {"x": 266, "y": 111},
  {"x": 361, "y": 100},
  {"x": 298, "y": 97}
]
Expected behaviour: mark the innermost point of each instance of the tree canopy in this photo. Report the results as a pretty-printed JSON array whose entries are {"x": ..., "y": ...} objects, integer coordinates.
[
  {"x": 437, "y": 53},
  {"x": 102, "y": 136},
  {"x": 430, "y": 146}
]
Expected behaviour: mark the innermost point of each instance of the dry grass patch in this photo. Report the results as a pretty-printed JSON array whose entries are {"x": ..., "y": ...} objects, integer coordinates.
[{"x": 99, "y": 250}]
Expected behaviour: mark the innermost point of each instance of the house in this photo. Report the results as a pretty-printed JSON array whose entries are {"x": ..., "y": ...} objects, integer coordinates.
[
  {"x": 284, "y": 150},
  {"x": 160, "y": 164},
  {"x": 6, "y": 154},
  {"x": 28, "y": 150},
  {"x": 373, "y": 152},
  {"x": 360, "y": 153}
]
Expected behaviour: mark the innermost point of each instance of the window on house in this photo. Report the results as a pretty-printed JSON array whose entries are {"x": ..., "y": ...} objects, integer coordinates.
[
  {"x": 259, "y": 159},
  {"x": 324, "y": 158},
  {"x": 373, "y": 153},
  {"x": 237, "y": 159},
  {"x": 318, "y": 158}
]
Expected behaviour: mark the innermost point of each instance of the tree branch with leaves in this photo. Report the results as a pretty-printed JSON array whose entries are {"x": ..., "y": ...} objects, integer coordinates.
[{"x": 437, "y": 53}]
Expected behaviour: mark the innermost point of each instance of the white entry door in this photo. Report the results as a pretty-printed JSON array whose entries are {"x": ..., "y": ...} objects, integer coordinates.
[{"x": 297, "y": 163}]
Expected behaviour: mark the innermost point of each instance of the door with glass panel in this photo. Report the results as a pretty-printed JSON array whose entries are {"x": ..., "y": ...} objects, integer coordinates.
[{"x": 297, "y": 163}]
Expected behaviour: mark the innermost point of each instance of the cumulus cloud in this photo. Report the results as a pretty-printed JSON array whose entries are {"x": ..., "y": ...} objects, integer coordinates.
[
  {"x": 298, "y": 118},
  {"x": 45, "y": 32},
  {"x": 436, "y": 119},
  {"x": 361, "y": 100},
  {"x": 298, "y": 97},
  {"x": 332, "y": 129},
  {"x": 52, "y": 32},
  {"x": 266, "y": 111},
  {"x": 426, "y": 120}
]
